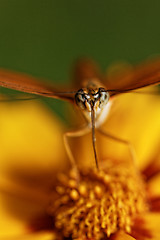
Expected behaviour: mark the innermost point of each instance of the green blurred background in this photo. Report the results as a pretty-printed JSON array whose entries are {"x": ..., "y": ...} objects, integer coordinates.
[{"x": 43, "y": 37}]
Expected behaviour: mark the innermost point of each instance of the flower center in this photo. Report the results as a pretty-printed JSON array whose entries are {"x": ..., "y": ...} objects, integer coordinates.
[{"x": 101, "y": 204}]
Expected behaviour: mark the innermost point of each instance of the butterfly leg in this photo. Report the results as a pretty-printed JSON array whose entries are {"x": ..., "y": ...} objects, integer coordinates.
[
  {"x": 71, "y": 134},
  {"x": 125, "y": 142}
]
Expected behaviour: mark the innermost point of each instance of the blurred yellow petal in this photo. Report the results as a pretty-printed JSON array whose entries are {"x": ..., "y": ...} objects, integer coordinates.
[
  {"x": 152, "y": 174},
  {"x": 120, "y": 235},
  {"x": 136, "y": 119},
  {"x": 31, "y": 143},
  {"x": 152, "y": 221},
  {"x": 33, "y": 236},
  {"x": 31, "y": 149},
  {"x": 154, "y": 185},
  {"x": 9, "y": 225},
  {"x": 13, "y": 225},
  {"x": 22, "y": 201},
  {"x": 28, "y": 129}
]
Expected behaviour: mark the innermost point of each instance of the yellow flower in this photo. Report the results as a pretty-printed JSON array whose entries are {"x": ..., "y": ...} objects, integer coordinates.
[{"x": 40, "y": 200}]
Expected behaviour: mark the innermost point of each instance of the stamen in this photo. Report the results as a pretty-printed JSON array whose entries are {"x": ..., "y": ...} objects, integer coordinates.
[{"x": 103, "y": 203}]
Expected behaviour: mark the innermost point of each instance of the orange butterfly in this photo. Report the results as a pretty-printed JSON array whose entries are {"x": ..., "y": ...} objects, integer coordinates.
[{"x": 93, "y": 94}]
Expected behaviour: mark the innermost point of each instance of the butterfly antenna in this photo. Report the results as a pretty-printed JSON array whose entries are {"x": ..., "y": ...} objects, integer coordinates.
[
  {"x": 133, "y": 91},
  {"x": 18, "y": 99}
]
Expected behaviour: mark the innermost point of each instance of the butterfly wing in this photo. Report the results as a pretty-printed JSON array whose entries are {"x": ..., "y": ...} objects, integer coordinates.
[
  {"x": 123, "y": 81},
  {"x": 84, "y": 69},
  {"x": 133, "y": 78},
  {"x": 29, "y": 84}
]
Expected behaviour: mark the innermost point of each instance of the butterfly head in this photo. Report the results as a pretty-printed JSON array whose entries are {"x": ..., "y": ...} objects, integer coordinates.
[{"x": 88, "y": 99}]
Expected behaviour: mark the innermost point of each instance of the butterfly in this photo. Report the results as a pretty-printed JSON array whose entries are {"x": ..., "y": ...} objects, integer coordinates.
[{"x": 92, "y": 94}]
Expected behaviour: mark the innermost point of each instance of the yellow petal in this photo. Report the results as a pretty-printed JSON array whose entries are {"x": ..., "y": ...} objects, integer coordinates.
[
  {"x": 29, "y": 136},
  {"x": 31, "y": 149},
  {"x": 19, "y": 206},
  {"x": 120, "y": 235},
  {"x": 31, "y": 142},
  {"x": 9, "y": 225},
  {"x": 137, "y": 120},
  {"x": 33, "y": 236},
  {"x": 154, "y": 186},
  {"x": 152, "y": 221}
]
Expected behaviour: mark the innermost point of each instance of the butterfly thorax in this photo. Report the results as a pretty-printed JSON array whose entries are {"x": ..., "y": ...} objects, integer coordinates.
[{"x": 93, "y": 96}]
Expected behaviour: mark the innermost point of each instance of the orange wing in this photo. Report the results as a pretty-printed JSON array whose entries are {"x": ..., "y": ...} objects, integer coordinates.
[
  {"x": 84, "y": 69},
  {"x": 140, "y": 76},
  {"x": 124, "y": 81},
  {"x": 28, "y": 84}
]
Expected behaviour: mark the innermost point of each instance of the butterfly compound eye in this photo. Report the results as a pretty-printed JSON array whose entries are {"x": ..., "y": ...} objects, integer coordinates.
[
  {"x": 103, "y": 97},
  {"x": 80, "y": 99}
]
